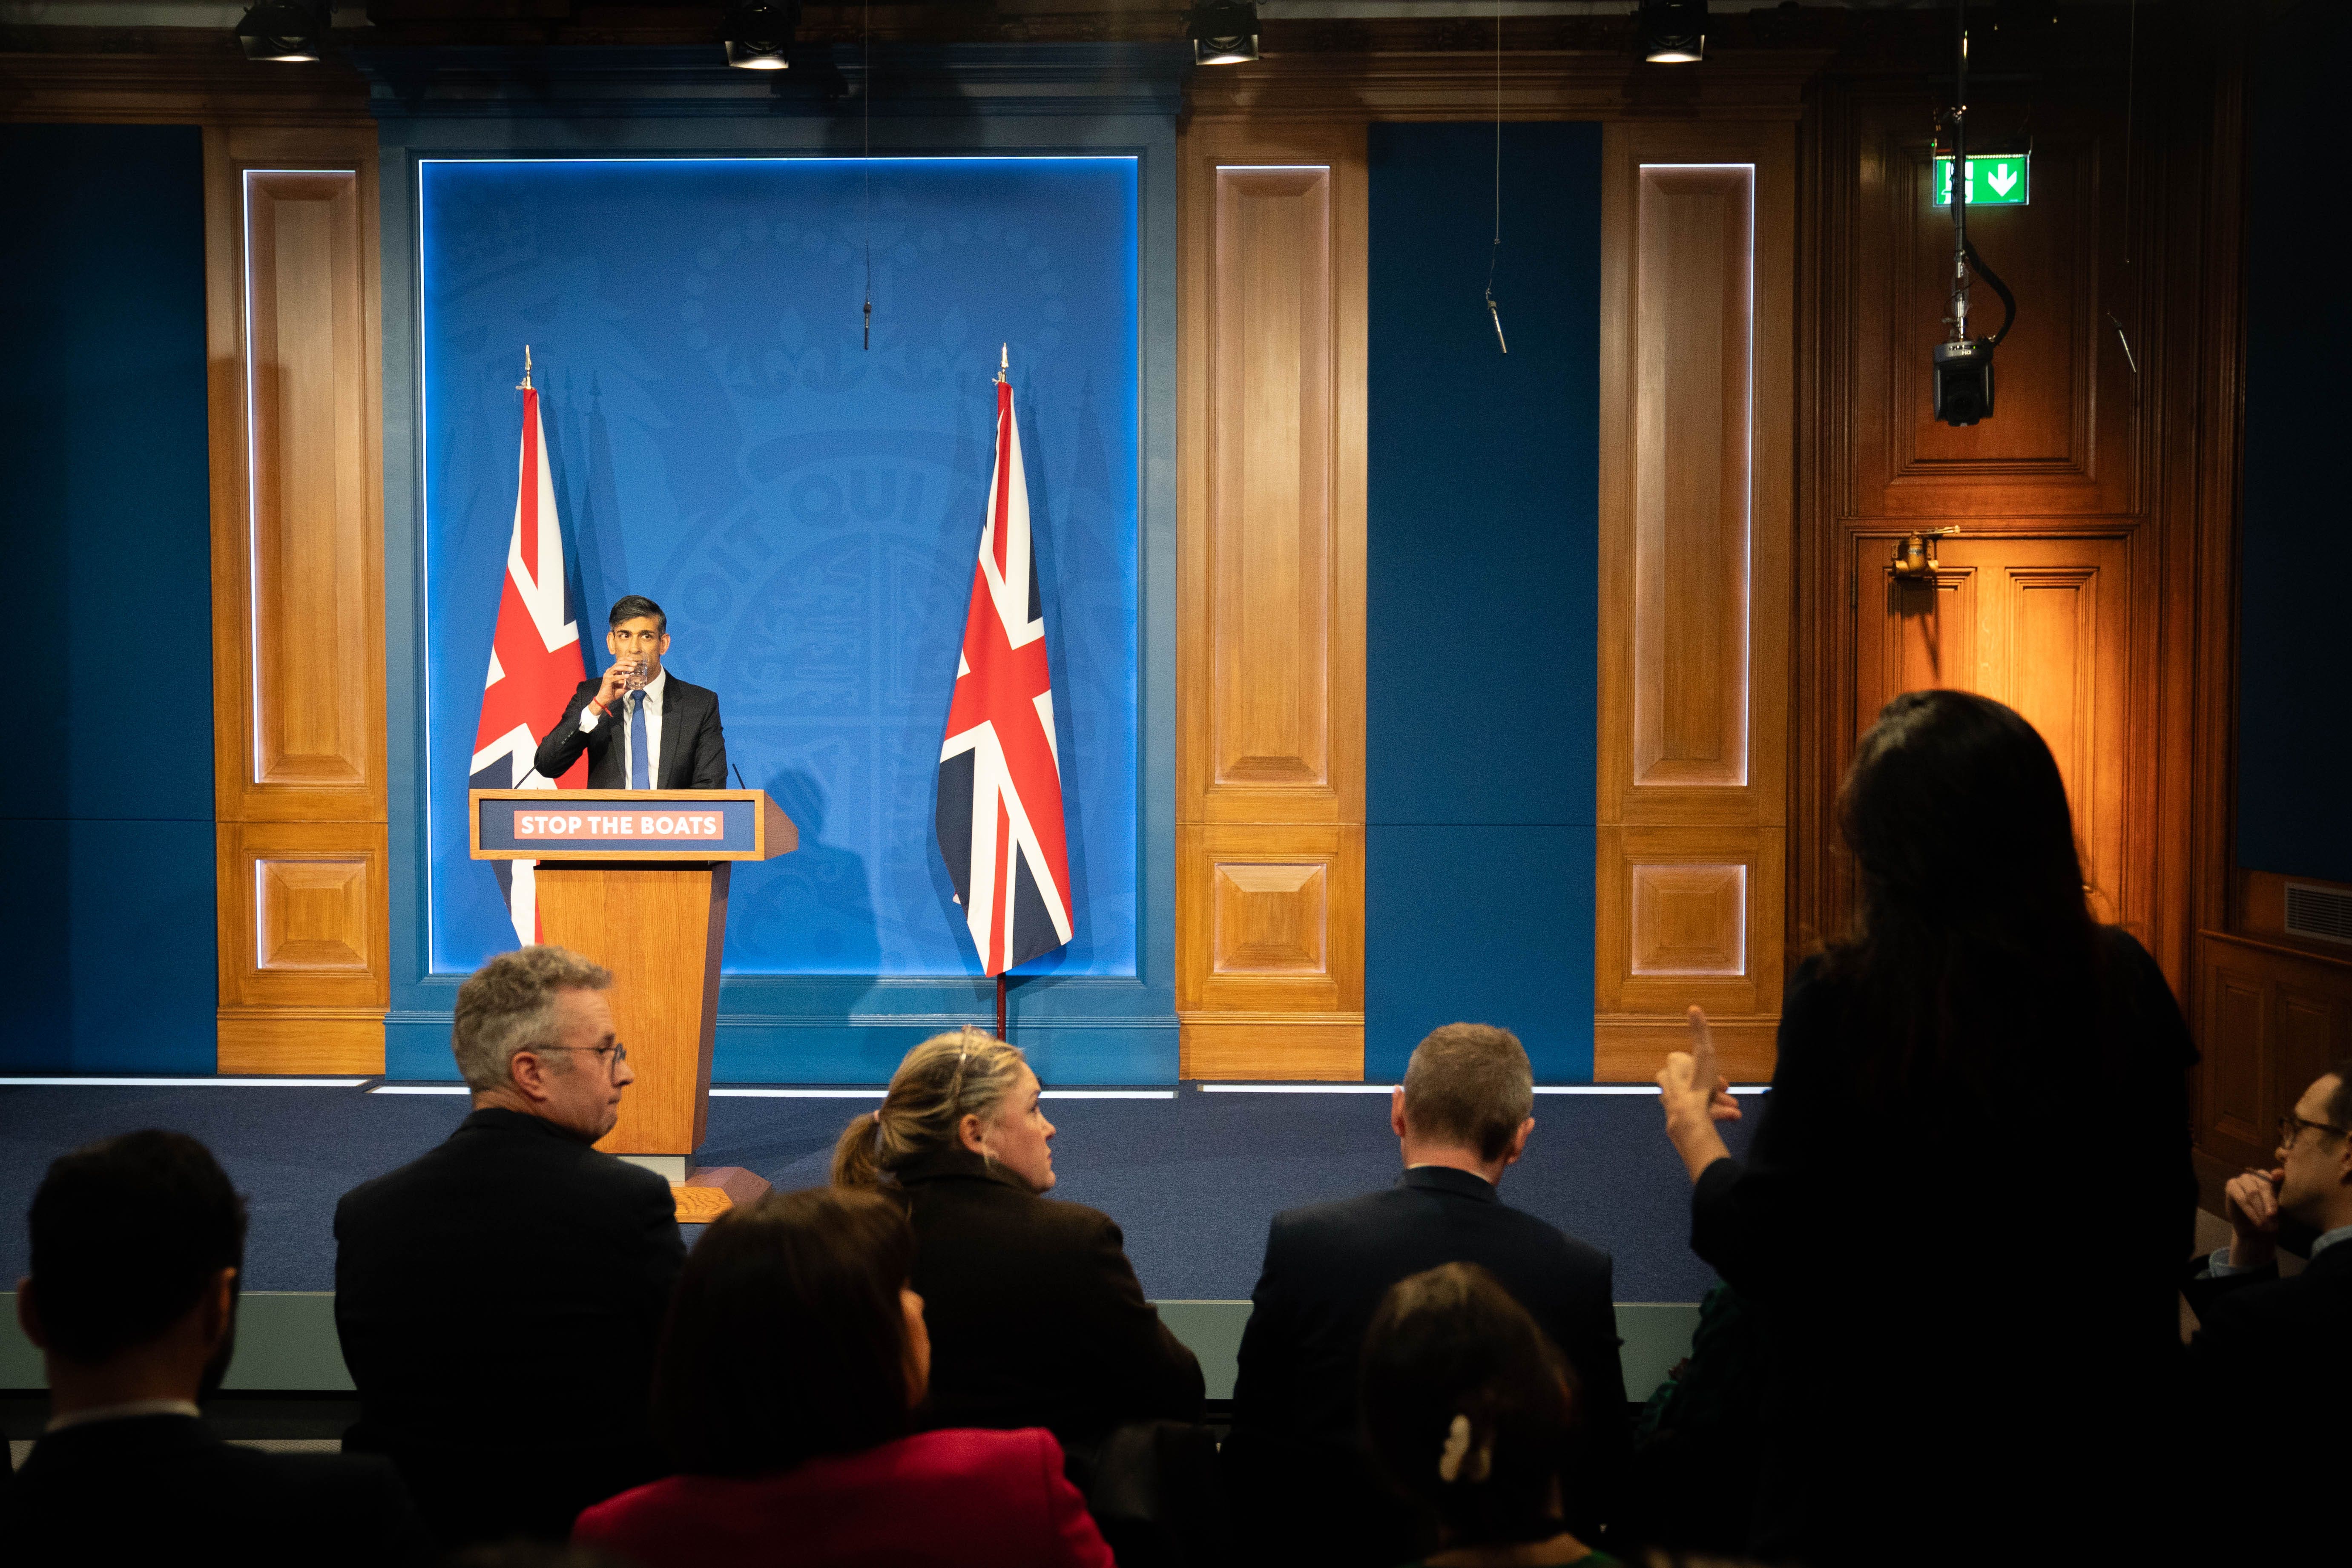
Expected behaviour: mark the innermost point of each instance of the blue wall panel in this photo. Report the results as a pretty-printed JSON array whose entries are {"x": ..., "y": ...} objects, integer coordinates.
[
  {"x": 116, "y": 973},
  {"x": 1485, "y": 925},
  {"x": 107, "y": 822},
  {"x": 806, "y": 509},
  {"x": 1483, "y": 586},
  {"x": 2295, "y": 725},
  {"x": 729, "y": 391}
]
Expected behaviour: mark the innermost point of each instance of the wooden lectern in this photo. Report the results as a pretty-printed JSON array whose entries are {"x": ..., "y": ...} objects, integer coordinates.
[{"x": 636, "y": 880}]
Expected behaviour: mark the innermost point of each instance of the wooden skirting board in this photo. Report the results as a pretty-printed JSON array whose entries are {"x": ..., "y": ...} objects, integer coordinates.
[
  {"x": 1322, "y": 1050},
  {"x": 297, "y": 1040},
  {"x": 1631, "y": 1050}
]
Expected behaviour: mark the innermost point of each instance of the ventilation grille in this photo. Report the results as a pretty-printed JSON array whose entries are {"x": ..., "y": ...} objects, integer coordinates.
[{"x": 2323, "y": 912}]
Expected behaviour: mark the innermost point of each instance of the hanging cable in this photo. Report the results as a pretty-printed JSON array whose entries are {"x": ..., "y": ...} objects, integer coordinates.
[
  {"x": 2131, "y": 86},
  {"x": 1495, "y": 254},
  {"x": 865, "y": 43}
]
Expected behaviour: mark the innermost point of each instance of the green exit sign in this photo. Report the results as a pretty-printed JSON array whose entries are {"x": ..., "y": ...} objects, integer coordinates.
[{"x": 1993, "y": 182}]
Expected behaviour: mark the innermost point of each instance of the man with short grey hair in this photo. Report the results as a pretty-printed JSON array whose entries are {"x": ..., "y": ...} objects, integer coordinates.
[
  {"x": 498, "y": 1299},
  {"x": 1301, "y": 1483}
]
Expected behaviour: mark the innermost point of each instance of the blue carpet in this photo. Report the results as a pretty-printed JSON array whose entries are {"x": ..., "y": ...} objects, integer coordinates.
[{"x": 1193, "y": 1181}]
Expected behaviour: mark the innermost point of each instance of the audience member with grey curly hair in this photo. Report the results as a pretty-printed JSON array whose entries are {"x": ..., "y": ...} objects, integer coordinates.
[{"x": 498, "y": 1299}]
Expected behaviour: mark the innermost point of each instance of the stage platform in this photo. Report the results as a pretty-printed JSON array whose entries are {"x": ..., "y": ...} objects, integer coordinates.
[{"x": 1192, "y": 1173}]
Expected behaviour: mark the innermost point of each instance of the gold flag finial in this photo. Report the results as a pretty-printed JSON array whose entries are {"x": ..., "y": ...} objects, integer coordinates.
[
  {"x": 1004, "y": 360},
  {"x": 524, "y": 385}
]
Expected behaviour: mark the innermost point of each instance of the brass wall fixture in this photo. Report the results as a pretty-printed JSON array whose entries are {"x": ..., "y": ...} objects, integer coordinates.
[{"x": 1915, "y": 553}]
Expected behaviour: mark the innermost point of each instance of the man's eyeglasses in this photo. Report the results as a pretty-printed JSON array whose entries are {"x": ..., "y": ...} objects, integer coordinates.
[
  {"x": 2291, "y": 1127},
  {"x": 616, "y": 1053}
]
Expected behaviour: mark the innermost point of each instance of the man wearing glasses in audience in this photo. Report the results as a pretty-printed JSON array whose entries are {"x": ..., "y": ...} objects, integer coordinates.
[
  {"x": 498, "y": 1300},
  {"x": 2268, "y": 1371}
]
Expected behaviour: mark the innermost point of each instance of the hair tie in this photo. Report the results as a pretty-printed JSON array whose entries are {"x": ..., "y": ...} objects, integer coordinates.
[
  {"x": 955, "y": 1088},
  {"x": 1450, "y": 1466}
]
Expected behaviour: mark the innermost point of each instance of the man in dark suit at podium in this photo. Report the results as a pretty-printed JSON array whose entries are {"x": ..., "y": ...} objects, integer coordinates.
[{"x": 641, "y": 727}]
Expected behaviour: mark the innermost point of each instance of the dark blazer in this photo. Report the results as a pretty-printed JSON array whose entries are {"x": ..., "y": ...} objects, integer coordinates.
[
  {"x": 1034, "y": 1313},
  {"x": 693, "y": 746},
  {"x": 2268, "y": 1376},
  {"x": 161, "y": 1488},
  {"x": 957, "y": 1499},
  {"x": 1944, "y": 1344},
  {"x": 498, "y": 1302},
  {"x": 1301, "y": 1483}
]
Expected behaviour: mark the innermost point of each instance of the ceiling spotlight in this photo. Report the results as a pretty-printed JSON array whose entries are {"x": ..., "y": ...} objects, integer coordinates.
[
  {"x": 283, "y": 30},
  {"x": 760, "y": 35},
  {"x": 1223, "y": 32},
  {"x": 1672, "y": 32}
]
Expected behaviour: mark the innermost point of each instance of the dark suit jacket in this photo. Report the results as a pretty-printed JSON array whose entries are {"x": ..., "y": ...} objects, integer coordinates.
[
  {"x": 2268, "y": 1377},
  {"x": 161, "y": 1488},
  {"x": 1034, "y": 1313},
  {"x": 693, "y": 746},
  {"x": 498, "y": 1302},
  {"x": 1927, "y": 1361},
  {"x": 1301, "y": 1483}
]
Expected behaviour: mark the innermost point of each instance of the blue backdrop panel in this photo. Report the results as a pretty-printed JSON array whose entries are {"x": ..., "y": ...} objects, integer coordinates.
[
  {"x": 116, "y": 974},
  {"x": 807, "y": 511},
  {"x": 1484, "y": 592},
  {"x": 109, "y": 838},
  {"x": 2295, "y": 745},
  {"x": 1497, "y": 930}
]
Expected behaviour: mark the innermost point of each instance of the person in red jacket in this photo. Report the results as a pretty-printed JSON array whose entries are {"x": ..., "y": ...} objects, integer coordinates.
[{"x": 787, "y": 1387}]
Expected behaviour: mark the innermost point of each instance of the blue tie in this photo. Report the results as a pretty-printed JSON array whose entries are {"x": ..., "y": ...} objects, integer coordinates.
[{"x": 637, "y": 771}]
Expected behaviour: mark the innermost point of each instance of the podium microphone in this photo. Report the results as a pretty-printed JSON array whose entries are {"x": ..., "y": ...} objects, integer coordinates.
[{"x": 738, "y": 777}]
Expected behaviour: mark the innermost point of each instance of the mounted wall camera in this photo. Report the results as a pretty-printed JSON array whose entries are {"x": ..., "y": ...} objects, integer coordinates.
[{"x": 1963, "y": 365}]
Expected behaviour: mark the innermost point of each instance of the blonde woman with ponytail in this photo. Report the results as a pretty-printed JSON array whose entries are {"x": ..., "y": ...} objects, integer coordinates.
[{"x": 1036, "y": 1316}]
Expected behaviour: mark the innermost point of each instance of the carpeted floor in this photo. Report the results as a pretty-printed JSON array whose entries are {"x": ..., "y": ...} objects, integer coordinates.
[{"x": 1193, "y": 1180}]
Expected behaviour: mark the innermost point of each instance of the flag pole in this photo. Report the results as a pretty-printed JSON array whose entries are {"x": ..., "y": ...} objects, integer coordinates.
[
  {"x": 524, "y": 385},
  {"x": 1004, "y": 366}
]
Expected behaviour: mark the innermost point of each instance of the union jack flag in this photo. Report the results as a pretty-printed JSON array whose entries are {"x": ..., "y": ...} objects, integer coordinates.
[
  {"x": 535, "y": 661},
  {"x": 1000, "y": 811}
]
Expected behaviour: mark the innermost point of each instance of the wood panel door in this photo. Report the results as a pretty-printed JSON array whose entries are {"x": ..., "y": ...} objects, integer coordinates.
[
  {"x": 300, "y": 776},
  {"x": 1270, "y": 603},
  {"x": 2039, "y": 623},
  {"x": 1696, "y": 443}
]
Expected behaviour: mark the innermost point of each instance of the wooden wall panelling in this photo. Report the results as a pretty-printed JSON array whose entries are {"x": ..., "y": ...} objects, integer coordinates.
[
  {"x": 2205, "y": 312},
  {"x": 2270, "y": 1019},
  {"x": 1697, "y": 496},
  {"x": 1270, "y": 563},
  {"x": 2260, "y": 902},
  {"x": 2060, "y": 440},
  {"x": 2062, "y": 479},
  {"x": 2041, "y": 624},
  {"x": 2195, "y": 428},
  {"x": 297, "y": 598}
]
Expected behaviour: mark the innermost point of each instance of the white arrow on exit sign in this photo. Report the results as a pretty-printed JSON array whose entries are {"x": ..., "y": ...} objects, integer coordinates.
[{"x": 1993, "y": 180}]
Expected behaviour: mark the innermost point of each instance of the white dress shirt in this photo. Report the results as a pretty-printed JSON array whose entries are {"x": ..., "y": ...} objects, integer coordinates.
[
  {"x": 653, "y": 695},
  {"x": 2219, "y": 1267}
]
